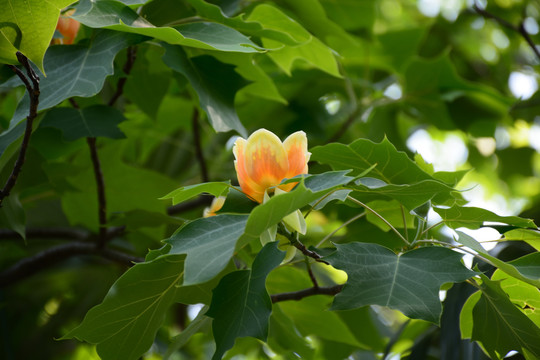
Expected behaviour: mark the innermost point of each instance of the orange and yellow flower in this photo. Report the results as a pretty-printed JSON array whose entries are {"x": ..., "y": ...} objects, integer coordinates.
[
  {"x": 263, "y": 161},
  {"x": 68, "y": 27}
]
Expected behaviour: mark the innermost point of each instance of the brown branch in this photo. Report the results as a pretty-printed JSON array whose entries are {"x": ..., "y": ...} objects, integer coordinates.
[
  {"x": 131, "y": 56},
  {"x": 299, "y": 295},
  {"x": 520, "y": 29},
  {"x": 46, "y": 233},
  {"x": 311, "y": 274},
  {"x": 33, "y": 93},
  {"x": 292, "y": 237},
  {"x": 100, "y": 183},
  {"x": 198, "y": 148},
  {"x": 203, "y": 200},
  {"x": 47, "y": 258}
]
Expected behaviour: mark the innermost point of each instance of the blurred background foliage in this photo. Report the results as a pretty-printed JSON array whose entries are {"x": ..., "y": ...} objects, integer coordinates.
[{"x": 437, "y": 78}]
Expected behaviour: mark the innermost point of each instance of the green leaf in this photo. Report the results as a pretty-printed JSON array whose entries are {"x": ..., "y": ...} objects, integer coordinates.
[
  {"x": 209, "y": 245},
  {"x": 204, "y": 35},
  {"x": 411, "y": 196},
  {"x": 531, "y": 237},
  {"x": 12, "y": 215},
  {"x": 525, "y": 296},
  {"x": 408, "y": 282},
  {"x": 240, "y": 304},
  {"x": 93, "y": 121},
  {"x": 392, "y": 212},
  {"x": 284, "y": 337},
  {"x": 187, "y": 192},
  {"x": 312, "y": 188},
  {"x": 215, "y": 84},
  {"x": 76, "y": 70},
  {"x": 124, "y": 325},
  {"x": 528, "y": 274},
  {"x": 201, "y": 322},
  {"x": 30, "y": 30},
  {"x": 392, "y": 166},
  {"x": 500, "y": 326},
  {"x": 474, "y": 218}
]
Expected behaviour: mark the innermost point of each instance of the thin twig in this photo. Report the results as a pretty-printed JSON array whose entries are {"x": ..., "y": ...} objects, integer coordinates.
[
  {"x": 100, "y": 183},
  {"x": 380, "y": 217},
  {"x": 292, "y": 237},
  {"x": 198, "y": 148},
  {"x": 131, "y": 56},
  {"x": 329, "y": 236},
  {"x": 404, "y": 222},
  {"x": 33, "y": 93},
  {"x": 299, "y": 295},
  {"x": 520, "y": 29},
  {"x": 47, "y": 258},
  {"x": 346, "y": 125},
  {"x": 431, "y": 227},
  {"x": 310, "y": 272}
]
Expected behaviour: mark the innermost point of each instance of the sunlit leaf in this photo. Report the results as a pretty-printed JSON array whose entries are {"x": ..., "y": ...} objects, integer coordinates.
[{"x": 474, "y": 218}]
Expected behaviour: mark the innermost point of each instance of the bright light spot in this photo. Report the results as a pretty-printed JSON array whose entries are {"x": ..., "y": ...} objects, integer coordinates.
[
  {"x": 476, "y": 196},
  {"x": 450, "y": 9},
  {"x": 446, "y": 155},
  {"x": 332, "y": 106},
  {"x": 534, "y": 137},
  {"x": 486, "y": 145},
  {"x": 502, "y": 138},
  {"x": 483, "y": 234},
  {"x": 393, "y": 92},
  {"x": 429, "y": 8},
  {"x": 500, "y": 39},
  {"x": 489, "y": 53},
  {"x": 478, "y": 23},
  {"x": 442, "y": 295},
  {"x": 511, "y": 353},
  {"x": 531, "y": 26},
  {"x": 468, "y": 260},
  {"x": 193, "y": 310},
  {"x": 522, "y": 85},
  {"x": 519, "y": 133}
]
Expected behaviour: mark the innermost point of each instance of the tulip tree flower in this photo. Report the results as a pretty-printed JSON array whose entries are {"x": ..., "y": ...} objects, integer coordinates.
[
  {"x": 68, "y": 28},
  {"x": 217, "y": 204},
  {"x": 263, "y": 161}
]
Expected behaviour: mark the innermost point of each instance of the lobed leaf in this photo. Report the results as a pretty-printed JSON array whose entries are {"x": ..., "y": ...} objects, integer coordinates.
[
  {"x": 408, "y": 282},
  {"x": 187, "y": 192},
  {"x": 474, "y": 218}
]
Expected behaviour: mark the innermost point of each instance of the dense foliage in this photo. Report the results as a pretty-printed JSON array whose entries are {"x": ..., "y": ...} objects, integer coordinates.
[{"x": 116, "y": 135}]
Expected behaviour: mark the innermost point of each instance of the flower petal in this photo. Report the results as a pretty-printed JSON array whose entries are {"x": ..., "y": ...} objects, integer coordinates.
[
  {"x": 265, "y": 159},
  {"x": 296, "y": 147},
  {"x": 246, "y": 183}
]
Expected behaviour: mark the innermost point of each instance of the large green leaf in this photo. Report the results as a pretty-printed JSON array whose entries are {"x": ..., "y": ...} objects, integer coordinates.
[
  {"x": 392, "y": 166},
  {"x": 205, "y": 35},
  {"x": 93, "y": 121},
  {"x": 76, "y": 70},
  {"x": 28, "y": 26},
  {"x": 240, "y": 304},
  {"x": 215, "y": 84},
  {"x": 500, "y": 326},
  {"x": 474, "y": 218},
  {"x": 187, "y": 192},
  {"x": 209, "y": 245},
  {"x": 124, "y": 325},
  {"x": 408, "y": 282}
]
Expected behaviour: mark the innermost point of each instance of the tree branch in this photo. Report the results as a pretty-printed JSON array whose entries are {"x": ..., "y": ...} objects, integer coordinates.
[
  {"x": 299, "y": 295},
  {"x": 197, "y": 142},
  {"x": 33, "y": 93},
  {"x": 520, "y": 29},
  {"x": 47, "y": 258},
  {"x": 100, "y": 183},
  {"x": 131, "y": 56},
  {"x": 292, "y": 237}
]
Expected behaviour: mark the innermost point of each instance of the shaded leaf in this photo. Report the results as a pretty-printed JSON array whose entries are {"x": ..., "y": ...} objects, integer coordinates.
[
  {"x": 408, "y": 282},
  {"x": 240, "y": 304},
  {"x": 474, "y": 218},
  {"x": 215, "y": 84},
  {"x": 12, "y": 215},
  {"x": 75, "y": 70},
  {"x": 93, "y": 121},
  {"x": 500, "y": 326},
  {"x": 124, "y": 325},
  {"x": 209, "y": 245},
  {"x": 201, "y": 322}
]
